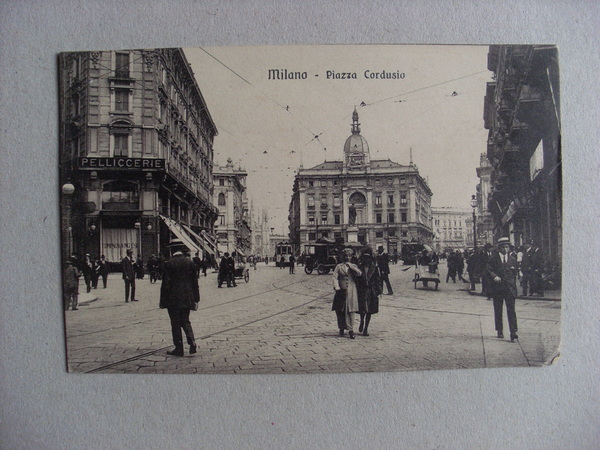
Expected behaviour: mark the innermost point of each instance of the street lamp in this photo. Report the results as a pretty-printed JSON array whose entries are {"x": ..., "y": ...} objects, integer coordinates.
[
  {"x": 67, "y": 190},
  {"x": 474, "y": 206}
]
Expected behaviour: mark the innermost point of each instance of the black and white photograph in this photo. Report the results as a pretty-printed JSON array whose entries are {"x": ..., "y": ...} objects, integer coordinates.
[{"x": 310, "y": 209}]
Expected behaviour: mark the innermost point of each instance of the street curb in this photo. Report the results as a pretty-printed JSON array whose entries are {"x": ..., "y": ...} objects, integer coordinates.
[
  {"x": 86, "y": 302},
  {"x": 520, "y": 297}
]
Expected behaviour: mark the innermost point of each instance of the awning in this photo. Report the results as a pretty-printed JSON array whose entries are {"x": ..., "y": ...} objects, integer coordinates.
[
  {"x": 200, "y": 240},
  {"x": 178, "y": 231},
  {"x": 210, "y": 240}
]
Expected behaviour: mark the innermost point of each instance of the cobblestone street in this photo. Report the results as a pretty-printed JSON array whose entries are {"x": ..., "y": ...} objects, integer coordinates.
[{"x": 281, "y": 323}]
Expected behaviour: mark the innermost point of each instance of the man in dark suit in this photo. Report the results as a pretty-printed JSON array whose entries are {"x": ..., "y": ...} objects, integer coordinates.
[
  {"x": 129, "y": 275},
  {"x": 502, "y": 271},
  {"x": 180, "y": 294},
  {"x": 383, "y": 262}
]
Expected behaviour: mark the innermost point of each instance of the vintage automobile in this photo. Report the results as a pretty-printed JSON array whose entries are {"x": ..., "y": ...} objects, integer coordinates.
[{"x": 323, "y": 256}]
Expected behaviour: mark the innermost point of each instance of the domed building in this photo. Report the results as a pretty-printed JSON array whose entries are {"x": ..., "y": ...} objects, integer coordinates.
[{"x": 376, "y": 202}]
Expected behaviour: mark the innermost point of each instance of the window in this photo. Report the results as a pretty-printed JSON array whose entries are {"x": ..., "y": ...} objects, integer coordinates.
[
  {"x": 336, "y": 201},
  {"x": 311, "y": 220},
  {"x": 323, "y": 183},
  {"x": 310, "y": 183},
  {"x": 390, "y": 199},
  {"x": 119, "y": 191},
  {"x": 122, "y": 65},
  {"x": 378, "y": 200},
  {"x": 121, "y": 145},
  {"x": 336, "y": 219},
  {"x": 324, "y": 219},
  {"x": 222, "y": 221},
  {"x": 404, "y": 217},
  {"x": 402, "y": 180},
  {"x": 221, "y": 201},
  {"x": 323, "y": 201},
  {"x": 122, "y": 100},
  {"x": 311, "y": 236},
  {"x": 221, "y": 182},
  {"x": 378, "y": 218},
  {"x": 403, "y": 200},
  {"x": 405, "y": 234},
  {"x": 392, "y": 232},
  {"x": 391, "y": 218},
  {"x": 311, "y": 201},
  {"x": 379, "y": 234},
  {"x": 335, "y": 182},
  {"x": 222, "y": 236},
  {"x": 390, "y": 181},
  {"x": 377, "y": 182},
  {"x": 337, "y": 234}
]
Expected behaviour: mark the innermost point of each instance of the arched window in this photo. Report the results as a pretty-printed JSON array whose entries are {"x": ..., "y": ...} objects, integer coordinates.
[{"x": 221, "y": 201}]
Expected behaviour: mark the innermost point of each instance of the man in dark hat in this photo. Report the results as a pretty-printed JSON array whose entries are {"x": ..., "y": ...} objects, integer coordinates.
[
  {"x": 223, "y": 269},
  {"x": 483, "y": 262},
  {"x": 129, "y": 275},
  {"x": 532, "y": 267},
  {"x": 502, "y": 270},
  {"x": 383, "y": 263},
  {"x": 179, "y": 294}
]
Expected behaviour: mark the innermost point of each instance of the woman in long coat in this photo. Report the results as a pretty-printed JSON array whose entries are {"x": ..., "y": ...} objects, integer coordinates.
[
  {"x": 345, "y": 301},
  {"x": 369, "y": 290}
]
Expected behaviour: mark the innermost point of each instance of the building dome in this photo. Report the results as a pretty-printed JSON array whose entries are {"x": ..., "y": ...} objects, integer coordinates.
[
  {"x": 356, "y": 149},
  {"x": 356, "y": 143}
]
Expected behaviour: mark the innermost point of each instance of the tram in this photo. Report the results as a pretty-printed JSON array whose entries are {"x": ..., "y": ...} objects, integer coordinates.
[{"x": 285, "y": 250}]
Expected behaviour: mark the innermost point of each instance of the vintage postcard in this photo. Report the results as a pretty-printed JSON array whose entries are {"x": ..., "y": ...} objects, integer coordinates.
[{"x": 310, "y": 209}]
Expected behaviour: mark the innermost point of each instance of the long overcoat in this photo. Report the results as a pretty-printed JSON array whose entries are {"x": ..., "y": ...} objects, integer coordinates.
[
  {"x": 507, "y": 273},
  {"x": 179, "y": 287},
  {"x": 346, "y": 295},
  {"x": 369, "y": 289}
]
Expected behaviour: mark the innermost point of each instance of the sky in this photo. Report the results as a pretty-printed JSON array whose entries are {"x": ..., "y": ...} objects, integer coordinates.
[{"x": 270, "y": 127}]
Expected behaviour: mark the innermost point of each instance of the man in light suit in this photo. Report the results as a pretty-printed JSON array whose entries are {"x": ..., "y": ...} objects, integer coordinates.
[
  {"x": 502, "y": 272},
  {"x": 129, "y": 276}
]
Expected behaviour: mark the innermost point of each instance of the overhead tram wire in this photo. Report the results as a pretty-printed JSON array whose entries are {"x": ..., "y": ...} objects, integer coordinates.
[{"x": 286, "y": 108}]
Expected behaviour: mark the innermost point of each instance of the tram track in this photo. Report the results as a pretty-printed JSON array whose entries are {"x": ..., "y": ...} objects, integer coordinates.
[{"x": 313, "y": 298}]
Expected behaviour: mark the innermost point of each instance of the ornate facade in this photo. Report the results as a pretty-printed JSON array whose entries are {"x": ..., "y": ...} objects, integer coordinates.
[
  {"x": 136, "y": 144},
  {"x": 452, "y": 228},
  {"x": 388, "y": 202},
  {"x": 233, "y": 224},
  {"x": 522, "y": 114}
]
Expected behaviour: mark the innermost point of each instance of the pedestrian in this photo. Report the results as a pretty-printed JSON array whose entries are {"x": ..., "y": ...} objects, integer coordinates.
[
  {"x": 266, "y": 260},
  {"x": 292, "y": 264},
  {"x": 197, "y": 263},
  {"x": 502, "y": 270},
  {"x": 129, "y": 275},
  {"x": 282, "y": 262},
  {"x": 153, "y": 268},
  {"x": 369, "y": 290},
  {"x": 103, "y": 270},
  {"x": 95, "y": 274},
  {"x": 383, "y": 263},
  {"x": 222, "y": 276},
  {"x": 486, "y": 282},
  {"x": 139, "y": 268},
  {"x": 179, "y": 294},
  {"x": 532, "y": 270},
  {"x": 205, "y": 264},
  {"x": 345, "y": 300},
  {"x": 70, "y": 285},
  {"x": 86, "y": 270},
  {"x": 451, "y": 263},
  {"x": 231, "y": 270}
]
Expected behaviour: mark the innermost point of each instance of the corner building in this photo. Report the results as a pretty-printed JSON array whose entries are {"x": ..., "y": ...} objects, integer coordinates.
[
  {"x": 136, "y": 142},
  {"x": 522, "y": 114},
  {"x": 392, "y": 201},
  {"x": 233, "y": 230}
]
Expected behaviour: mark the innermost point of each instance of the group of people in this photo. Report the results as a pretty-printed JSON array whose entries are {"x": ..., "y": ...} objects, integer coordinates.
[
  {"x": 227, "y": 270},
  {"x": 358, "y": 283},
  {"x": 92, "y": 270}
]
